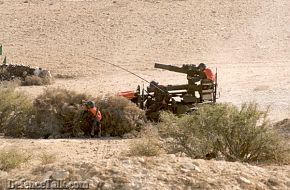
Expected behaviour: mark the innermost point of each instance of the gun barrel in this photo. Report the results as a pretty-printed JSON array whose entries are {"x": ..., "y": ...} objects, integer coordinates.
[{"x": 170, "y": 68}]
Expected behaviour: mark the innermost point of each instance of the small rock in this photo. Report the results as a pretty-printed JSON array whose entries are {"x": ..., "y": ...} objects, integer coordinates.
[
  {"x": 3, "y": 174},
  {"x": 243, "y": 180},
  {"x": 126, "y": 162},
  {"x": 60, "y": 175},
  {"x": 162, "y": 177},
  {"x": 196, "y": 163},
  {"x": 166, "y": 169},
  {"x": 172, "y": 156},
  {"x": 184, "y": 170},
  {"x": 107, "y": 186},
  {"x": 141, "y": 160},
  {"x": 47, "y": 176},
  {"x": 197, "y": 169},
  {"x": 190, "y": 166},
  {"x": 273, "y": 181},
  {"x": 144, "y": 172}
]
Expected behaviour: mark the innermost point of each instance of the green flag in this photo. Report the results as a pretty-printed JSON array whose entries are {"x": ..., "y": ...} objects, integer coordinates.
[
  {"x": 5, "y": 60},
  {"x": 0, "y": 49}
]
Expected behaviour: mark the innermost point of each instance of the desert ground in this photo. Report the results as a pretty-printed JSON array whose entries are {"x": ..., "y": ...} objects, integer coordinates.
[{"x": 247, "y": 41}]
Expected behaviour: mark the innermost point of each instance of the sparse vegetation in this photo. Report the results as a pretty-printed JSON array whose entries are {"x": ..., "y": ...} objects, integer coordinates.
[
  {"x": 243, "y": 134},
  {"x": 283, "y": 128},
  {"x": 16, "y": 110},
  {"x": 36, "y": 81},
  {"x": 59, "y": 114},
  {"x": 120, "y": 116},
  {"x": 64, "y": 76},
  {"x": 47, "y": 158},
  {"x": 10, "y": 159},
  {"x": 237, "y": 134},
  {"x": 145, "y": 147}
]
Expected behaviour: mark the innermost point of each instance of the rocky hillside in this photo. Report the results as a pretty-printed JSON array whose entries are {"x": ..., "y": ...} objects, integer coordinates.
[{"x": 104, "y": 164}]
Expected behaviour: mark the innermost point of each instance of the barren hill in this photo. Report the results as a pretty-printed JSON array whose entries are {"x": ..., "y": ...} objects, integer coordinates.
[{"x": 247, "y": 40}]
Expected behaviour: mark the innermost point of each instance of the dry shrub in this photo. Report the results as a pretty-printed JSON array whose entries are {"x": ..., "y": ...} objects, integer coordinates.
[
  {"x": 47, "y": 158},
  {"x": 283, "y": 127},
  {"x": 10, "y": 159},
  {"x": 237, "y": 134},
  {"x": 4, "y": 74},
  {"x": 37, "y": 81},
  {"x": 120, "y": 116},
  {"x": 57, "y": 113},
  {"x": 10, "y": 84},
  {"x": 16, "y": 110},
  {"x": 145, "y": 147},
  {"x": 64, "y": 76}
]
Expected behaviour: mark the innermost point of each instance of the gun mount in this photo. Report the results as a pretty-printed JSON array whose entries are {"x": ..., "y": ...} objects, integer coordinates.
[{"x": 178, "y": 99}]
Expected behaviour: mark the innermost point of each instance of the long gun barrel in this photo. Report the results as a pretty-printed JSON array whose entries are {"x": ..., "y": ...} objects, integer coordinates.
[
  {"x": 171, "y": 68},
  {"x": 190, "y": 70}
]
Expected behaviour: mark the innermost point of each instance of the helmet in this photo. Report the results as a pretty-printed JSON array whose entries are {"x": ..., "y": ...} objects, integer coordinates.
[
  {"x": 90, "y": 104},
  {"x": 153, "y": 84},
  {"x": 201, "y": 66}
]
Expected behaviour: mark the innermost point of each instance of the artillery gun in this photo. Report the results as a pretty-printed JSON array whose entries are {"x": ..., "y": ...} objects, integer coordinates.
[{"x": 178, "y": 99}]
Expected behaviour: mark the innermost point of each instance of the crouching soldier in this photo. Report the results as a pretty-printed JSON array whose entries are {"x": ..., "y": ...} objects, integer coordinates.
[{"x": 96, "y": 117}]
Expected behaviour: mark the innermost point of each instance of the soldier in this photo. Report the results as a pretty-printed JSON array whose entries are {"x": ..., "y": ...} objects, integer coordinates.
[
  {"x": 96, "y": 117},
  {"x": 160, "y": 101},
  {"x": 207, "y": 71}
]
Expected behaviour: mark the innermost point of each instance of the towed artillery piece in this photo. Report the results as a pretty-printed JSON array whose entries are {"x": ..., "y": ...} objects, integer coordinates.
[{"x": 178, "y": 99}]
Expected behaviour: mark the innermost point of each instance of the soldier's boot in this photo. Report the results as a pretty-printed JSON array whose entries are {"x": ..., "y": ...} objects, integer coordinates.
[{"x": 93, "y": 131}]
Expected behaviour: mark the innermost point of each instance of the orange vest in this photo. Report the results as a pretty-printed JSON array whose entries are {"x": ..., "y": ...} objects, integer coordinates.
[
  {"x": 209, "y": 74},
  {"x": 94, "y": 112}
]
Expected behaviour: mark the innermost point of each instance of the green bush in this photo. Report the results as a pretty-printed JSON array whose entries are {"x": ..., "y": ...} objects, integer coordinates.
[
  {"x": 10, "y": 159},
  {"x": 237, "y": 134},
  {"x": 16, "y": 110}
]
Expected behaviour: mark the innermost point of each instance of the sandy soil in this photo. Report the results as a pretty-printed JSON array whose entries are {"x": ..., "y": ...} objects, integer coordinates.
[
  {"x": 248, "y": 41},
  {"x": 104, "y": 165}
]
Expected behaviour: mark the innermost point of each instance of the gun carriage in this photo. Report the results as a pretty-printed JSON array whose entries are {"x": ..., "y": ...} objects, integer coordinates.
[{"x": 178, "y": 99}]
